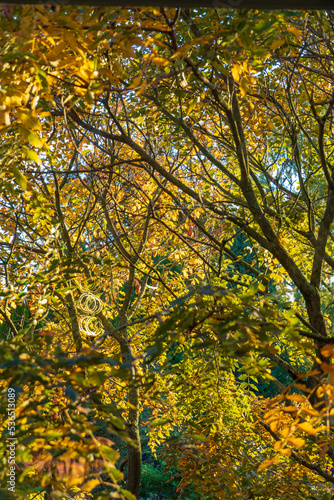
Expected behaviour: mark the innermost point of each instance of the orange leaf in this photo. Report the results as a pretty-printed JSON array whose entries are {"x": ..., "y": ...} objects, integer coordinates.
[
  {"x": 267, "y": 463},
  {"x": 297, "y": 442},
  {"x": 327, "y": 350},
  {"x": 286, "y": 452},
  {"x": 309, "y": 429},
  {"x": 296, "y": 397}
]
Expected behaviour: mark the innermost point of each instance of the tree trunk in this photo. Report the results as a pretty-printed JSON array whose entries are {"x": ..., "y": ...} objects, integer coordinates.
[
  {"x": 134, "y": 452},
  {"x": 47, "y": 494}
]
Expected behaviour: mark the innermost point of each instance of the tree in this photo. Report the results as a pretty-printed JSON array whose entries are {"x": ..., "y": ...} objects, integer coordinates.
[
  {"x": 149, "y": 137},
  {"x": 97, "y": 250}
]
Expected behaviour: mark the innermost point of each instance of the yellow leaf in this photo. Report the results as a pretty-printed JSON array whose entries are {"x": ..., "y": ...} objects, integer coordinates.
[
  {"x": 274, "y": 425},
  {"x": 285, "y": 432},
  {"x": 267, "y": 463},
  {"x": 90, "y": 485},
  {"x": 160, "y": 61},
  {"x": 271, "y": 412},
  {"x": 278, "y": 445},
  {"x": 311, "y": 411},
  {"x": 29, "y": 121},
  {"x": 236, "y": 72},
  {"x": 296, "y": 397},
  {"x": 76, "y": 476},
  {"x": 135, "y": 82},
  {"x": 73, "y": 481},
  {"x": 307, "y": 427},
  {"x": 295, "y": 31},
  {"x": 68, "y": 454},
  {"x": 302, "y": 387},
  {"x": 24, "y": 356},
  {"x": 290, "y": 409},
  {"x": 286, "y": 452}
]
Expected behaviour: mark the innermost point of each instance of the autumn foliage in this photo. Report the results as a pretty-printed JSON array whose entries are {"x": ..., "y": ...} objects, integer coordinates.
[{"x": 166, "y": 242}]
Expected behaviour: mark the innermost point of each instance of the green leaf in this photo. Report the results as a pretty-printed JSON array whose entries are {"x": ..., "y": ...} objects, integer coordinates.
[
  {"x": 127, "y": 494},
  {"x": 109, "y": 453},
  {"x": 42, "y": 78},
  {"x": 97, "y": 378},
  {"x": 32, "y": 155},
  {"x": 116, "y": 422},
  {"x": 52, "y": 434},
  {"x": 159, "y": 422},
  {"x": 30, "y": 136},
  {"x": 115, "y": 473},
  {"x": 199, "y": 437}
]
